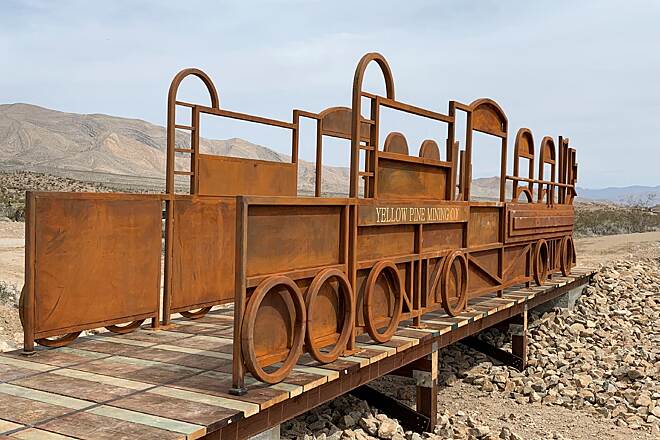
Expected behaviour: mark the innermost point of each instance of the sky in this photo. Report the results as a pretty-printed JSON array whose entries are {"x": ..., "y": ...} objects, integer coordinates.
[{"x": 587, "y": 70}]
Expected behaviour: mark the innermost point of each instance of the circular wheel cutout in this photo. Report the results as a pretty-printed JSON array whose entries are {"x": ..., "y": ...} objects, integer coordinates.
[
  {"x": 250, "y": 340},
  {"x": 127, "y": 328},
  {"x": 454, "y": 283},
  {"x": 567, "y": 256},
  {"x": 541, "y": 262},
  {"x": 391, "y": 285},
  {"x": 344, "y": 308},
  {"x": 58, "y": 341},
  {"x": 196, "y": 314}
]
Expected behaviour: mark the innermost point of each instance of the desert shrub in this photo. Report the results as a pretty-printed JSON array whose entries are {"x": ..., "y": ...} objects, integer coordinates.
[
  {"x": 637, "y": 216},
  {"x": 9, "y": 294}
]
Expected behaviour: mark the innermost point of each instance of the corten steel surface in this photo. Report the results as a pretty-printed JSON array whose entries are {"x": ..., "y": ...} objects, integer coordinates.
[
  {"x": 312, "y": 274},
  {"x": 174, "y": 383}
]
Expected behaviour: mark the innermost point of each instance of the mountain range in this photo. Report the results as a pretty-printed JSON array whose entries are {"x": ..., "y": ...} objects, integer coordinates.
[{"x": 103, "y": 148}]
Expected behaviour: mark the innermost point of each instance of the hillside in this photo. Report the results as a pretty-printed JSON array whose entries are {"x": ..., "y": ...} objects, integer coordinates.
[{"x": 112, "y": 149}]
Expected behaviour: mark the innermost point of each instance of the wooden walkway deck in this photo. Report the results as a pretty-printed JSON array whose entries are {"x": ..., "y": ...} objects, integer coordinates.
[{"x": 173, "y": 384}]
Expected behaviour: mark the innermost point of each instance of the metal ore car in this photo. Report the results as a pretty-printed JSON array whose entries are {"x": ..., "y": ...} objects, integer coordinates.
[{"x": 306, "y": 274}]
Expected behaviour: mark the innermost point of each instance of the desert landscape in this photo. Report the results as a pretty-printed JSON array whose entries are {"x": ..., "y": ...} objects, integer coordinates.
[{"x": 600, "y": 361}]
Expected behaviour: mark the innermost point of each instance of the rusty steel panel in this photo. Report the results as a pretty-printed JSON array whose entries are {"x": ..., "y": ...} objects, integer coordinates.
[
  {"x": 96, "y": 261},
  {"x": 225, "y": 176},
  {"x": 399, "y": 179},
  {"x": 336, "y": 122},
  {"x": 527, "y": 221},
  {"x": 484, "y": 225},
  {"x": 311, "y": 238},
  {"x": 441, "y": 236},
  {"x": 483, "y": 271},
  {"x": 376, "y": 242},
  {"x": 380, "y": 214},
  {"x": 204, "y": 241}
]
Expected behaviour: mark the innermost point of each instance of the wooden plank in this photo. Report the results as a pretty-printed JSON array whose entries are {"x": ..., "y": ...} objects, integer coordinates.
[
  {"x": 189, "y": 429},
  {"x": 175, "y": 408},
  {"x": 44, "y": 397},
  {"x": 104, "y": 379},
  {"x": 87, "y": 425},
  {"x": 247, "y": 408},
  {"x": 92, "y": 391},
  {"x": 6, "y": 425},
  {"x": 38, "y": 434}
]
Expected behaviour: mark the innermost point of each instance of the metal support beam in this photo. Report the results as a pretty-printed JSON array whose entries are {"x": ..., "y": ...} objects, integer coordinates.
[
  {"x": 518, "y": 356},
  {"x": 427, "y": 388},
  {"x": 425, "y": 373},
  {"x": 409, "y": 419}
]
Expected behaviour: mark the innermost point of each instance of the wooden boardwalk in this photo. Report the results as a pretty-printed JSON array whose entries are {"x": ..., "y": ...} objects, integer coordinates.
[{"x": 173, "y": 383}]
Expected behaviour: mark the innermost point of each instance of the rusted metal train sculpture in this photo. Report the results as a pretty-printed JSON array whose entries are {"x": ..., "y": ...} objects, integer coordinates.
[{"x": 305, "y": 273}]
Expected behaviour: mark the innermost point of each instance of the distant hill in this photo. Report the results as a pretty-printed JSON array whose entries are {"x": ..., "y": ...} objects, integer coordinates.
[
  {"x": 132, "y": 152},
  {"x": 626, "y": 194}
]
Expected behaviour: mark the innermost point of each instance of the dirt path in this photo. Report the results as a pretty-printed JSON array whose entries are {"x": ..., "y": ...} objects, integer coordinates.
[
  {"x": 12, "y": 252},
  {"x": 598, "y": 250}
]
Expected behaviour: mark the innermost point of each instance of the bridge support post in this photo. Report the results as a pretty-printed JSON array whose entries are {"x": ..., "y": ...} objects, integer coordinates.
[
  {"x": 426, "y": 376},
  {"x": 425, "y": 372},
  {"x": 517, "y": 358},
  {"x": 519, "y": 337}
]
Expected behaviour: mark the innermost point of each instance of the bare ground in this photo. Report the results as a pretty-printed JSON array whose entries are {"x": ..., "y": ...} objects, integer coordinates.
[{"x": 529, "y": 420}]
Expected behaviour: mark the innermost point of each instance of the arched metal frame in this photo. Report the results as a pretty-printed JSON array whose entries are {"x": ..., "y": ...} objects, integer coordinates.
[
  {"x": 487, "y": 117},
  {"x": 524, "y": 148},
  {"x": 171, "y": 121},
  {"x": 356, "y": 110},
  {"x": 547, "y": 155}
]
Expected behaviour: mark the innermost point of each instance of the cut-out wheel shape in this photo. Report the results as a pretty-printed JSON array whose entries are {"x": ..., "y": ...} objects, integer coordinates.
[
  {"x": 53, "y": 341},
  {"x": 126, "y": 328},
  {"x": 385, "y": 268},
  {"x": 345, "y": 297},
  {"x": 541, "y": 262},
  {"x": 249, "y": 320},
  {"x": 454, "y": 304},
  {"x": 58, "y": 341},
  {"x": 567, "y": 255},
  {"x": 196, "y": 314}
]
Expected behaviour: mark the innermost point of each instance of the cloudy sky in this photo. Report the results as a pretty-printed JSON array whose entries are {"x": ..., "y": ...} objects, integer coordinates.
[{"x": 589, "y": 70}]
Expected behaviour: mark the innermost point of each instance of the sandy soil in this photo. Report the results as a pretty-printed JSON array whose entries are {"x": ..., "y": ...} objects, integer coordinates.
[
  {"x": 598, "y": 250},
  {"x": 12, "y": 252},
  {"x": 530, "y": 420}
]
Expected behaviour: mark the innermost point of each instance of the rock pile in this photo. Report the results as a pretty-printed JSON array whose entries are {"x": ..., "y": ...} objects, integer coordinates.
[
  {"x": 602, "y": 357},
  {"x": 348, "y": 418}
]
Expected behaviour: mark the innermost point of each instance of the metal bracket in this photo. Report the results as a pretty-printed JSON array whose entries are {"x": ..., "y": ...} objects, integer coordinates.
[
  {"x": 494, "y": 352},
  {"x": 410, "y": 419},
  {"x": 238, "y": 391}
]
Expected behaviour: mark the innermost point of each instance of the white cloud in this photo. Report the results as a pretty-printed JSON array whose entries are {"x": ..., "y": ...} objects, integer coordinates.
[{"x": 587, "y": 70}]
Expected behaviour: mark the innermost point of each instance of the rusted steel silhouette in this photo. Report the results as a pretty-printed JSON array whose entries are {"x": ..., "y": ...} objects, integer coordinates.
[{"x": 306, "y": 274}]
